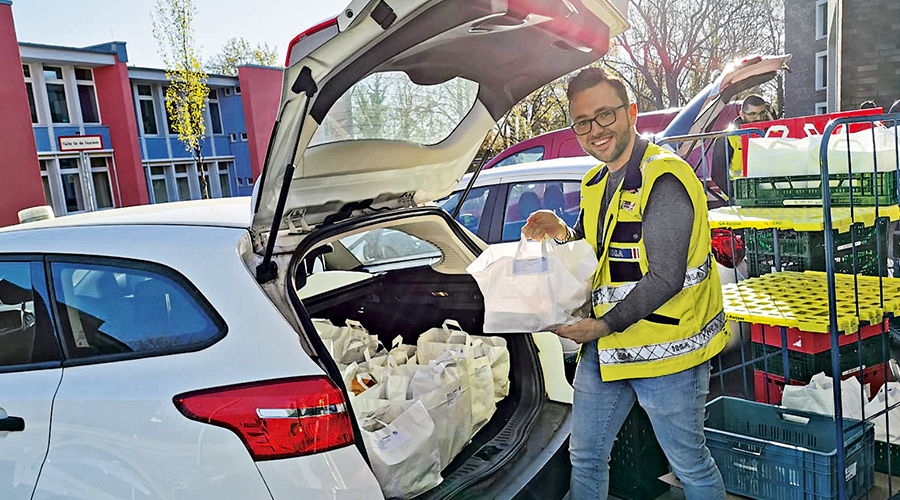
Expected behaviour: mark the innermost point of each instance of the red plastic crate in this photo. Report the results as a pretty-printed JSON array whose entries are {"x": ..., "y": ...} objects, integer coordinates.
[
  {"x": 810, "y": 342},
  {"x": 873, "y": 377},
  {"x": 796, "y": 130}
]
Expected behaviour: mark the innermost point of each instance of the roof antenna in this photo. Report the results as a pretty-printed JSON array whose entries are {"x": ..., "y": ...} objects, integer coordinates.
[{"x": 267, "y": 270}]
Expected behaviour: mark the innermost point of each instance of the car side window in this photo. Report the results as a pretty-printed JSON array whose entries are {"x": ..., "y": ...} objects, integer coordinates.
[
  {"x": 561, "y": 198},
  {"x": 26, "y": 330},
  {"x": 526, "y": 155},
  {"x": 107, "y": 309},
  {"x": 472, "y": 212},
  {"x": 380, "y": 246}
]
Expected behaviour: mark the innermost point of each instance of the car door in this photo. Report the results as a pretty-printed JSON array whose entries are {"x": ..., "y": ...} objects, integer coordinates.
[{"x": 30, "y": 373}]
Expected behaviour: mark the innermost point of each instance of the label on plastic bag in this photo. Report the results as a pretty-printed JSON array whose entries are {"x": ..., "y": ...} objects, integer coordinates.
[
  {"x": 850, "y": 472},
  {"x": 452, "y": 395},
  {"x": 395, "y": 439},
  {"x": 530, "y": 266}
]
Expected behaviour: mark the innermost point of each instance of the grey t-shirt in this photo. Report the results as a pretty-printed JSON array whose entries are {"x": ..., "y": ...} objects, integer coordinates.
[{"x": 667, "y": 222}]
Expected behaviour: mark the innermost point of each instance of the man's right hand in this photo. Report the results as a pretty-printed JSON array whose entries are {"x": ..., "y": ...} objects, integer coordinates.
[{"x": 543, "y": 224}]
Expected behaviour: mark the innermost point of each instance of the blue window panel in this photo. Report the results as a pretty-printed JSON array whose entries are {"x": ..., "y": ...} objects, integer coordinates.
[
  {"x": 232, "y": 114},
  {"x": 156, "y": 148},
  {"x": 64, "y": 131},
  {"x": 42, "y": 139},
  {"x": 221, "y": 145},
  {"x": 102, "y": 131}
]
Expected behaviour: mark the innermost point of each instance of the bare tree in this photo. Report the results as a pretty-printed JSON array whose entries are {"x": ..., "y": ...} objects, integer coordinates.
[{"x": 675, "y": 47}]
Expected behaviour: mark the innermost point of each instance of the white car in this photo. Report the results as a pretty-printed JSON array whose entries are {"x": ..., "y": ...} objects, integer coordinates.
[{"x": 168, "y": 351}]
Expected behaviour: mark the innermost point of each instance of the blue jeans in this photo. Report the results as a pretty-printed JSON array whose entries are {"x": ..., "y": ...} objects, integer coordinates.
[{"x": 675, "y": 405}]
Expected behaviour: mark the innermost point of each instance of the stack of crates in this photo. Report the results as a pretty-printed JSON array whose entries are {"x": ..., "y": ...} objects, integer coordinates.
[
  {"x": 805, "y": 250},
  {"x": 867, "y": 188},
  {"x": 809, "y": 353}
]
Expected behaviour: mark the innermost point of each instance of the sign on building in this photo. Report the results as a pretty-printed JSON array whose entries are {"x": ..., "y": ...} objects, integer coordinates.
[{"x": 80, "y": 142}]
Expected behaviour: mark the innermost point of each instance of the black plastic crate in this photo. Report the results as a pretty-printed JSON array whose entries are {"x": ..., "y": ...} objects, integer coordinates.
[
  {"x": 637, "y": 460},
  {"x": 805, "y": 190},
  {"x": 803, "y": 366}
]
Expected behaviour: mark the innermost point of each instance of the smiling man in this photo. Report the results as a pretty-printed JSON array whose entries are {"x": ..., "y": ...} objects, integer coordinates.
[{"x": 657, "y": 302}]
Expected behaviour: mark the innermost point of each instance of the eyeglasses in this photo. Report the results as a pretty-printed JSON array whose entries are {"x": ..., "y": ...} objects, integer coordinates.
[
  {"x": 603, "y": 119},
  {"x": 757, "y": 115}
]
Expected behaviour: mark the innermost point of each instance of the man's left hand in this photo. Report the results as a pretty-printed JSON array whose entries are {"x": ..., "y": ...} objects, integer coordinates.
[{"x": 584, "y": 330}]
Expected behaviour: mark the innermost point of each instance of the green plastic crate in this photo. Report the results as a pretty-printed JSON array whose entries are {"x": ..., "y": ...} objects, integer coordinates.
[
  {"x": 767, "y": 452},
  {"x": 882, "y": 450},
  {"x": 804, "y": 190},
  {"x": 637, "y": 460},
  {"x": 803, "y": 366},
  {"x": 805, "y": 250}
]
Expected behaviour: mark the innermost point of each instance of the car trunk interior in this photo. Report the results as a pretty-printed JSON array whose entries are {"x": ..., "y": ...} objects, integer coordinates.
[{"x": 407, "y": 302}]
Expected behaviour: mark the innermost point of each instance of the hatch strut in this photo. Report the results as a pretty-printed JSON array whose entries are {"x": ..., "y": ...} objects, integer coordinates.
[
  {"x": 268, "y": 269},
  {"x": 478, "y": 170}
]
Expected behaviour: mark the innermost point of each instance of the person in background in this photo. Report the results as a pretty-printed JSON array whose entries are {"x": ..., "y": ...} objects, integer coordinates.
[
  {"x": 727, "y": 151},
  {"x": 657, "y": 316}
]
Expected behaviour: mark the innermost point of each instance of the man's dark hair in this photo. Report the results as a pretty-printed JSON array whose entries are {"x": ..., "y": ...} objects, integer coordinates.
[
  {"x": 753, "y": 100},
  {"x": 591, "y": 77}
]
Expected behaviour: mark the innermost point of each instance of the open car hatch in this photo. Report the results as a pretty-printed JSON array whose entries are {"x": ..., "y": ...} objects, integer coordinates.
[{"x": 404, "y": 92}]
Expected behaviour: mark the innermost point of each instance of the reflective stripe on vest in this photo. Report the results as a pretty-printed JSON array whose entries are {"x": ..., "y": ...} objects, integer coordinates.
[
  {"x": 665, "y": 350},
  {"x": 610, "y": 294}
]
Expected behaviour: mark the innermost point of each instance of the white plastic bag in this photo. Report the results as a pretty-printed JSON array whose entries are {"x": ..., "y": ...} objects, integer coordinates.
[
  {"x": 891, "y": 391},
  {"x": 450, "y": 345},
  {"x": 773, "y": 156},
  {"x": 496, "y": 350},
  {"x": 346, "y": 344},
  {"x": 402, "y": 353},
  {"x": 448, "y": 402},
  {"x": 404, "y": 452},
  {"x": 531, "y": 286},
  {"x": 863, "y": 152},
  {"x": 818, "y": 396}
]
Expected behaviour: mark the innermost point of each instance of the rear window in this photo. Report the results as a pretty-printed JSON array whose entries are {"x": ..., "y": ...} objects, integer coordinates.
[
  {"x": 118, "y": 309},
  {"x": 390, "y": 106}
]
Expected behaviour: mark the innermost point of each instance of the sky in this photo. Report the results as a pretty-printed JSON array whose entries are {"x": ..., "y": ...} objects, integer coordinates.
[{"x": 79, "y": 23}]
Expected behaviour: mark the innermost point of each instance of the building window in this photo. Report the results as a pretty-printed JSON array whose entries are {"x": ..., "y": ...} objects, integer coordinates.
[
  {"x": 821, "y": 19},
  {"x": 225, "y": 179},
  {"x": 29, "y": 89},
  {"x": 148, "y": 109},
  {"x": 822, "y": 70},
  {"x": 56, "y": 94},
  {"x": 237, "y": 90},
  {"x": 207, "y": 170},
  {"x": 158, "y": 188},
  {"x": 73, "y": 196},
  {"x": 249, "y": 181},
  {"x": 243, "y": 136},
  {"x": 215, "y": 116},
  {"x": 45, "y": 180},
  {"x": 182, "y": 182},
  {"x": 821, "y": 108},
  {"x": 87, "y": 95},
  {"x": 227, "y": 91},
  {"x": 240, "y": 182},
  {"x": 169, "y": 118},
  {"x": 100, "y": 177}
]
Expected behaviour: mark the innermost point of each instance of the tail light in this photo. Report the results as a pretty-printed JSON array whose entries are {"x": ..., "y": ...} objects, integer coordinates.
[
  {"x": 278, "y": 418},
  {"x": 291, "y": 57},
  {"x": 727, "y": 247}
]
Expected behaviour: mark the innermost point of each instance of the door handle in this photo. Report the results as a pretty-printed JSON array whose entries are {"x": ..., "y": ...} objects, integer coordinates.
[{"x": 12, "y": 424}]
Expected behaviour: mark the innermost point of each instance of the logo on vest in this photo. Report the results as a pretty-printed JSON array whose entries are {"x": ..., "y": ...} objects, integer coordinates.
[
  {"x": 624, "y": 253},
  {"x": 631, "y": 191},
  {"x": 628, "y": 205}
]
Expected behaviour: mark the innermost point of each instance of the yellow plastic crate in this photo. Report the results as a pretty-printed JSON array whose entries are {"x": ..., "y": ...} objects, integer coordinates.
[
  {"x": 797, "y": 218},
  {"x": 800, "y": 300}
]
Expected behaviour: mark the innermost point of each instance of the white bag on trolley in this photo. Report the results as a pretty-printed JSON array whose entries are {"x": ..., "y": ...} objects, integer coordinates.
[
  {"x": 818, "y": 396},
  {"x": 891, "y": 391},
  {"x": 531, "y": 286},
  {"x": 404, "y": 452}
]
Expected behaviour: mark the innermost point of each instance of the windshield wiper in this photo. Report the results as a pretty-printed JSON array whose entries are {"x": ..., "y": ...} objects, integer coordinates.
[{"x": 268, "y": 269}]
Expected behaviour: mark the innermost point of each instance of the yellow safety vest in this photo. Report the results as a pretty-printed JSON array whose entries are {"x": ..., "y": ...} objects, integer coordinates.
[
  {"x": 737, "y": 156},
  {"x": 688, "y": 329}
]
